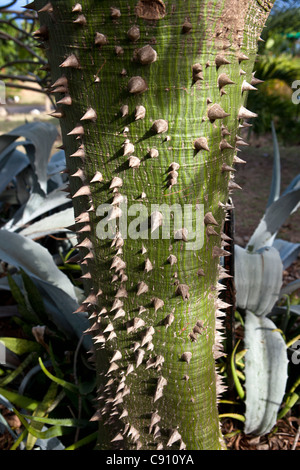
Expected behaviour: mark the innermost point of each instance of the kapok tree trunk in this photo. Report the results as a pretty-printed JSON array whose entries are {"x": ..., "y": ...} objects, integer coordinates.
[{"x": 150, "y": 96}]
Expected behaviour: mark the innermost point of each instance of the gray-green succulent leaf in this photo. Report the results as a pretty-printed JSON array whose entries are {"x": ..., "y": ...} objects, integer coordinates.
[
  {"x": 3, "y": 423},
  {"x": 288, "y": 251},
  {"x": 60, "y": 296},
  {"x": 54, "y": 223},
  {"x": 36, "y": 206},
  {"x": 258, "y": 279},
  {"x": 56, "y": 164},
  {"x": 36, "y": 181},
  {"x": 12, "y": 163},
  {"x": 265, "y": 371},
  {"x": 274, "y": 217},
  {"x": 40, "y": 138},
  {"x": 290, "y": 288},
  {"x": 276, "y": 175}
]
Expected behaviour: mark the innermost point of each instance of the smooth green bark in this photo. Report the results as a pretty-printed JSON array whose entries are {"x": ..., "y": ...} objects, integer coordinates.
[{"x": 166, "y": 371}]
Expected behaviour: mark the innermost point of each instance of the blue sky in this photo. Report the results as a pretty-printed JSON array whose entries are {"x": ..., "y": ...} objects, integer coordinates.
[{"x": 17, "y": 5}]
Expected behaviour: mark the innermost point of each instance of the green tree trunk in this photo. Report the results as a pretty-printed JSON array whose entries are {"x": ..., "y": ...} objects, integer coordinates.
[{"x": 150, "y": 97}]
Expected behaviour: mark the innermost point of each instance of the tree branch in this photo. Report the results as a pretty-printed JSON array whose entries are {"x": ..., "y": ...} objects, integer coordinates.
[
  {"x": 22, "y": 31},
  {"x": 7, "y": 36},
  {"x": 10, "y": 4},
  {"x": 22, "y": 78},
  {"x": 25, "y": 87},
  {"x": 18, "y": 61}
]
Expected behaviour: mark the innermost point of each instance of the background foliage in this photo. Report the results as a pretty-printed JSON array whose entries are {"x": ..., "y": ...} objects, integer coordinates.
[{"x": 278, "y": 65}]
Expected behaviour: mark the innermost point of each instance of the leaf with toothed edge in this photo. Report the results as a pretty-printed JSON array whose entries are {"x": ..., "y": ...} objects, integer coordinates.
[
  {"x": 41, "y": 136},
  {"x": 273, "y": 219},
  {"x": 15, "y": 162},
  {"x": 36, "y": 206},
  {"x": 54, "y": 223}
]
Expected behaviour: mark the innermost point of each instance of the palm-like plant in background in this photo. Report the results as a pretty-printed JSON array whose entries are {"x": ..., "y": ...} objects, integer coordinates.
[
  {"x": 273, "y": 100},
  {"x": 278, "y": 65}
]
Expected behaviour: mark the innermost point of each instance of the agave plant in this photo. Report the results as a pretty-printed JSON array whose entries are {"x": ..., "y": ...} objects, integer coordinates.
[
  {"x": 258, "y": 278},
  {"x": 32, "y": 183}
]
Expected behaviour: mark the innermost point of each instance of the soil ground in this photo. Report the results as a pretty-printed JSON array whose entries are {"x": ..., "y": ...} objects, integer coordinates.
[{"x": 255, "y": 179}]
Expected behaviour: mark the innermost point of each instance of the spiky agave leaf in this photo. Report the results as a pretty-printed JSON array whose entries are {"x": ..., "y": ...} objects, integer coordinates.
[
  {"x": 265, "y": 371},
  {"x": 41, "y": 136},
  {"x": 54, "y": 223},
  {"x": 258, "y": 279},
  {"x": 273, "y": 219}
]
